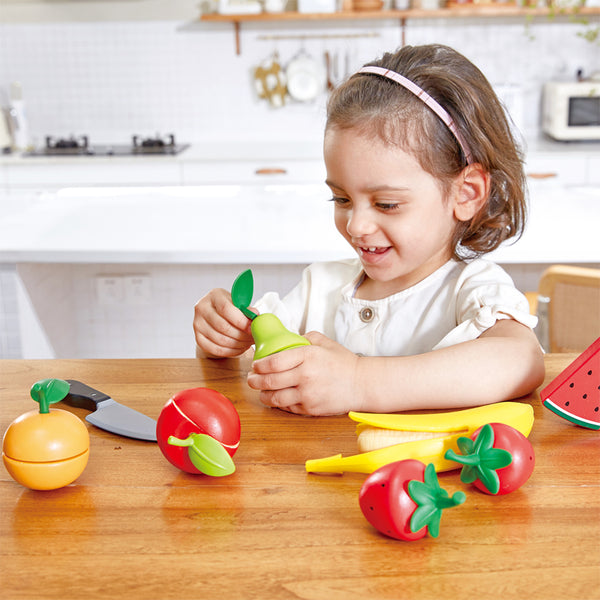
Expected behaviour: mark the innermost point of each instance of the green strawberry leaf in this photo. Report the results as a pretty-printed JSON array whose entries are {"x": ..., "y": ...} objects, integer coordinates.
[
  {"x": 431, "y": 500},
  {"x": 496, "y": 458},
  {"x": 489, "y": 478},
  {"x": 469, "y": 474},
  {"x": 485, "y": 439},
  {"x": 465, "y": 445},
  {"x": 482, "y": 461}
]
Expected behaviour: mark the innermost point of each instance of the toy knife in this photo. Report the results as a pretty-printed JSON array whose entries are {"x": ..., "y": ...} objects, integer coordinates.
[{"x": 110, "y": 415}]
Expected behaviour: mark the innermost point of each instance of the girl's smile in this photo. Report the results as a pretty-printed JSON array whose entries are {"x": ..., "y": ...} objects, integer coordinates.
[
  {"x": 372, "y": 254},
  {"x": 391, "y": 211}
]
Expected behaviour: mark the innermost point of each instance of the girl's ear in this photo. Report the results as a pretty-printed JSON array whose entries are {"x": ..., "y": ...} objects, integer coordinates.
[{"x": 473, "y": 188}]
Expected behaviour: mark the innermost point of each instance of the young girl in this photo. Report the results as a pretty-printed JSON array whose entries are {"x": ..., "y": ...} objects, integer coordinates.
[{"x": 425, "y": 178}]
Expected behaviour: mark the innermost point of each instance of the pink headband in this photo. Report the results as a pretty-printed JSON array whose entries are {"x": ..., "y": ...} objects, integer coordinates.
[{"x": 433, "y": 104}]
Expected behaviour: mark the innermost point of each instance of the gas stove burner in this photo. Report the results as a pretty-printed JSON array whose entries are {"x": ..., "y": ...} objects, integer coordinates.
[
  {"x": 71, "y": 145},
  {"x": 80, "y": 146},
  {"x": 156, "y": 144}
]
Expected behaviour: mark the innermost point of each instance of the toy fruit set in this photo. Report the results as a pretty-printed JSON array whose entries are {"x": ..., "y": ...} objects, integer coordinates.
[
  {"x": 402, "y": 497},
  {"x": 385, "y": 438},
  {"x": 198, "y": 431},
  {"x": 270, "y": 336},
  {"x": 46, "y": 449},
  {"x": 575, "y": 393}
]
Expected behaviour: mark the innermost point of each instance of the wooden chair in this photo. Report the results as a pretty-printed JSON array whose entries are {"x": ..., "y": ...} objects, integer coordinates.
[{"x": 568, "y": 308}]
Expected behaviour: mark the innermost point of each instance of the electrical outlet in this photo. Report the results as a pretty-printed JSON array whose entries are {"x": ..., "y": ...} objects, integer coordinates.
[
  {"x": 109, "y": 290},
  {"x": 137, "y": 289}
]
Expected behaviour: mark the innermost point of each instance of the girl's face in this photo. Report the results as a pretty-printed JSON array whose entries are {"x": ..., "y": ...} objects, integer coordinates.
[{"x": 391, "y": 211}]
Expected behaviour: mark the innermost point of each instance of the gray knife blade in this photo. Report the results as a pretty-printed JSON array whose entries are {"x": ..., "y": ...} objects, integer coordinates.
[{"x": 110, "y": 415}]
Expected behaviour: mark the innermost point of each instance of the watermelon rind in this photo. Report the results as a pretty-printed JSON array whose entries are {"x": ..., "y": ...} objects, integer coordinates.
[{"x": 561, "y": 412}]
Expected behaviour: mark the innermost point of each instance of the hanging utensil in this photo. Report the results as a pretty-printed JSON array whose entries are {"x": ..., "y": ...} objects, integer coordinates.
[
  {"x": 305, "y": 77},
  {"x": 270, "y": 81}
]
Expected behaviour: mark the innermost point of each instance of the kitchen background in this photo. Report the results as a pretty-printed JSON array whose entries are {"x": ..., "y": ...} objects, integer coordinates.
[{"x": 113, "y": 69}]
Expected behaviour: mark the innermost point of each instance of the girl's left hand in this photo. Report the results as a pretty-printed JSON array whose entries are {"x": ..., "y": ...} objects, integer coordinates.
[{"x": 320, "y": 379}]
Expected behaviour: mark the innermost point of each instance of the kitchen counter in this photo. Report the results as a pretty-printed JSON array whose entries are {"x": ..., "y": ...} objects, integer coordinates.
[
  {"x": 134, "y": 526},
  {"x": 211, "y": 150},
  {"x": 248, "y": 224},
  {"x": 208, "y": 224},
  {"x": 199, "y": 151}
]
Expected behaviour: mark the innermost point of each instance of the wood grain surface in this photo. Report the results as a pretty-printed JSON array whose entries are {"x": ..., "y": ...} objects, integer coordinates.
[{"x": 133, "y": 526}]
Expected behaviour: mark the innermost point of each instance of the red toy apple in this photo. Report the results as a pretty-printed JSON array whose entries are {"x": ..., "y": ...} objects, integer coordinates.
[{"x": 196, "y": 411}]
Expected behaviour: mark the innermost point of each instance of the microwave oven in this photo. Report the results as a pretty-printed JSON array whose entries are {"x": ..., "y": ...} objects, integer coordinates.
[{"x": 571, "y": 111}]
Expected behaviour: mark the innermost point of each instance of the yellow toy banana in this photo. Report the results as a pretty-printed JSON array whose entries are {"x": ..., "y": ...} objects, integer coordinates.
[{"x": 422, "y": 437}]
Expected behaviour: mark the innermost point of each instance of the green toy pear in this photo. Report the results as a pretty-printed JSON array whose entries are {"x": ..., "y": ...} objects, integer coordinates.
[{"x": 270, "y": 336}]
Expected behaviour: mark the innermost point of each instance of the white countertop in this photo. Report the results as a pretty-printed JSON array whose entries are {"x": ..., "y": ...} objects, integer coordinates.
[
  {"x": 207, "y": 224},
  {"x": 248, "y": 224},
  {"x": 197, "y": 151}
]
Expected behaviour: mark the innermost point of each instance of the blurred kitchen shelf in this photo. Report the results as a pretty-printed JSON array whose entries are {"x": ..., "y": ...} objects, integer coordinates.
[{"x": 456, "y": 11}]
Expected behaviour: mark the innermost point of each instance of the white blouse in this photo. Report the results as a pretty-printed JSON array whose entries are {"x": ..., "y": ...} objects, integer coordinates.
[{"x": 454, "y": 304}]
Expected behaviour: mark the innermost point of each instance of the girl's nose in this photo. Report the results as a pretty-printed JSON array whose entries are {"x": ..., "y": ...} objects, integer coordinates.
[{"x": 360, "y": 222}]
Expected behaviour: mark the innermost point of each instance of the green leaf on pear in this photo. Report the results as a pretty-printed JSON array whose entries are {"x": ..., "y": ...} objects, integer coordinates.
[{"x": 242, "y": 292}]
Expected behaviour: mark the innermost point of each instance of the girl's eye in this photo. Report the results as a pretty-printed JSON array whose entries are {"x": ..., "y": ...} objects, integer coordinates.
[
  {"x": 340, "y": 201},
  {"x": 387, "y": 206}
]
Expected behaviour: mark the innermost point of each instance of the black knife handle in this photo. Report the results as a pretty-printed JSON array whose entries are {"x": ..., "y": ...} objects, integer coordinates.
[{"x": 83, "y": 396}]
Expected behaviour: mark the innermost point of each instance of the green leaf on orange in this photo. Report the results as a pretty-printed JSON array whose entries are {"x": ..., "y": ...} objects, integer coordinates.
[{"x": 49, "y": 391}]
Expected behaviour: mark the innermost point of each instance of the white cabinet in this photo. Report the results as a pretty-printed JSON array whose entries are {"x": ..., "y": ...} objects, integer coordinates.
[
  {"x": 59, "y": 173},
  {"x": 557, "y": 169},
  {"x": 262, "y": 172},
  {"x": 594, "y": 170}
]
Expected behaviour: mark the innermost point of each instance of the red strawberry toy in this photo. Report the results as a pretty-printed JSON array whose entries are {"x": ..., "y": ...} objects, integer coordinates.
[
  {"x": 498, "y": 459},
  {"x": 404, "y": 500}
]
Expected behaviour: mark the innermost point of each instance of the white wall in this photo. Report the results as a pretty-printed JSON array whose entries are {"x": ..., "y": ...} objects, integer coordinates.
[{"x": 111, "y": 79}]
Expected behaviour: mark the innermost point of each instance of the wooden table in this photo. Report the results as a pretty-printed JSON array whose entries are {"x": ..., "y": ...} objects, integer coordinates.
[{"x": 134, "y": 526}]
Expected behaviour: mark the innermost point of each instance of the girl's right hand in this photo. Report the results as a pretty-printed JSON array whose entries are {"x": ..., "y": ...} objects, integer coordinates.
[{"x": 221, "y": 329}]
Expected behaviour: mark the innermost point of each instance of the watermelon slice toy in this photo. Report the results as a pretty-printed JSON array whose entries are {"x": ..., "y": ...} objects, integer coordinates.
[{"x": 575, "y": 393}]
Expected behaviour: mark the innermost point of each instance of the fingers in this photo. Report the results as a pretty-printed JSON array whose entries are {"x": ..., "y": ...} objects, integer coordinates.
[
  {"x": 307, "y": 380},
  {"x": 220, "y": 328},
  {"x": 280, "y": 379},
  {"x": 318, "y": 339},
  {"x": 284, "y": 401},
  {"x": 280, "y": 361}
]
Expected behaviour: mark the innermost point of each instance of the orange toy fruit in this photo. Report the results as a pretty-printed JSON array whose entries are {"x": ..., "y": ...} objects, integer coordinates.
[{"x": 46, "y": 449}]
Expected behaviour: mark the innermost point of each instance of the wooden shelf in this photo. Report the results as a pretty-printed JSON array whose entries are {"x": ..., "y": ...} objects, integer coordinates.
[
  {"x": 470, "y": 11},
  {"x": 458, "y": 11}
]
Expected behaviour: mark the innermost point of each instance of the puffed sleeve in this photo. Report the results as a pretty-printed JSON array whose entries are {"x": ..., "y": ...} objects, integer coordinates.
[{"x": 485, "y": 294}]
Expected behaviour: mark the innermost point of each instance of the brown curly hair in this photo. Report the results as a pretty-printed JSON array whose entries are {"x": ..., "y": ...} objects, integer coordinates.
[{"x": 375, "y": 105}]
